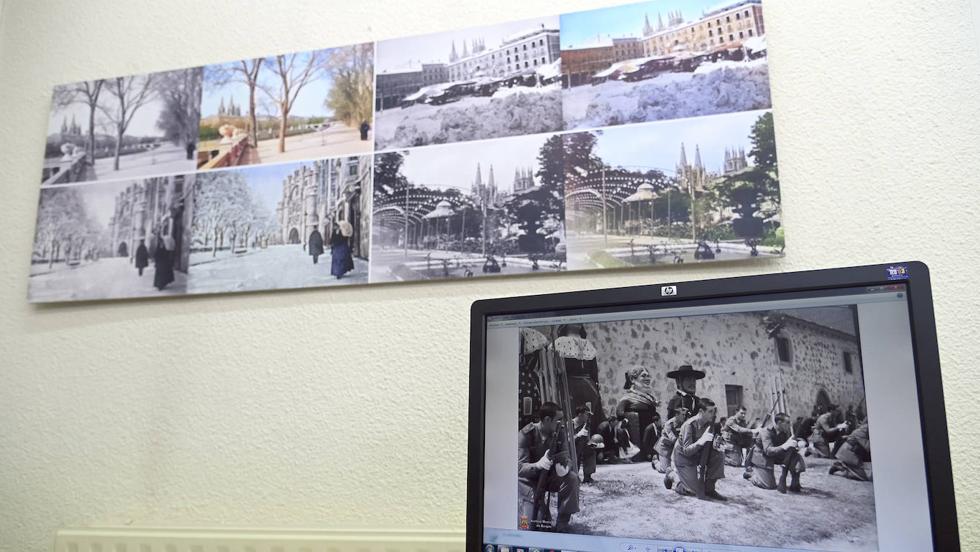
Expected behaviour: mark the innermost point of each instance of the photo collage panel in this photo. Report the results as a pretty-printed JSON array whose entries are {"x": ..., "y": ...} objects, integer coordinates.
[{"x": 629, "y": 136}]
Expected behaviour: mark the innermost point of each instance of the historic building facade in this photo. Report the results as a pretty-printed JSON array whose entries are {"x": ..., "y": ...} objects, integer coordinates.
[
  {"x": 151, "y": 207},
  {"x": 808, "y": 356},
  {"x": 519, "y": 54},
  {"x": 522, "y": 53},
  {"x": 323, "y": 192},
  {"x": 725, "y": 27}
]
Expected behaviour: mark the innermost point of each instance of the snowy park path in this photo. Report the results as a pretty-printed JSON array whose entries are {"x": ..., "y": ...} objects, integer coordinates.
[
  {"x": 107, "y": 278},
  {"x": 276, "y": 267},
  {"x": 167, "y": 159}
]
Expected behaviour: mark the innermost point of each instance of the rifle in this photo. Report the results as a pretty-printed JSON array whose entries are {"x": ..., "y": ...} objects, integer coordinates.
[
  {"x": 706, "y": 452},
  {"x": 540, "y": 488}
]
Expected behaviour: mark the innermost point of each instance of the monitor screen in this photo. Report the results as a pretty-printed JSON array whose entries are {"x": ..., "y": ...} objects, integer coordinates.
[{"x": 774, "y": 421}]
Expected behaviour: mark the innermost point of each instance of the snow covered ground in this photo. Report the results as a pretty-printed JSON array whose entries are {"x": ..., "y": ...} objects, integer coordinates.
[
  {"x": 510, "y": 112},
  {"x": 167, "y": 159},
  {"x": 590, "y": 251},
  {"x": 391, "y": 265},
  {"x": 276, "y": 267},
  {"x": 107, "y": 278},
  {"x": 724, "y": 87}
]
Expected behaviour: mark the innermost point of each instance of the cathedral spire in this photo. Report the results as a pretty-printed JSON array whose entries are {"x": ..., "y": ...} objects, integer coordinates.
[
  {"x": 660, "y": 22},
  {"x": 647, "y": 29},
  {"x": 466, "y": 50},
  {"x": 697, "y": 158},
  {"x": 479, "y": 177},
  {"x": 490, "y": 183},
  {"x": 683, "y": 162},
  {"x": 453, "y": 56}
]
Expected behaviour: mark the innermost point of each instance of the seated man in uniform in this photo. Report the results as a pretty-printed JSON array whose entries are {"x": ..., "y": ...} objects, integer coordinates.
[
  {"x": 737, "y": 436},
  {"x": 665, "y": 444},
  {"x": 774, "y": 446},
  {"x": 853, "y": 454},
  {"x": 535, "y": 460},
  {"x": 694, "y": 435}
]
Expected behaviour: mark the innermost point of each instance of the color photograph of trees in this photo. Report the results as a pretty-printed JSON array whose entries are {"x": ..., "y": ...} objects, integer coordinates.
[
  {"x": 702, "y": 189},
  {"x": 287, "y": 107}
]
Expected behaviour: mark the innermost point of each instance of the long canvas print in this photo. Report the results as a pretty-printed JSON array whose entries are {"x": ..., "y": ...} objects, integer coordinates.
[{"x": 629, "y": 136}]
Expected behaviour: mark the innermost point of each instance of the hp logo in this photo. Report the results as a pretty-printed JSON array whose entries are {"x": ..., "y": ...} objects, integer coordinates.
[{"x": 668, "y": 291}]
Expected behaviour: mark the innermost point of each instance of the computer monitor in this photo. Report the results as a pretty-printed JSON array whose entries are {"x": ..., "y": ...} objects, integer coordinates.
[{"x": 795, "y": 411}]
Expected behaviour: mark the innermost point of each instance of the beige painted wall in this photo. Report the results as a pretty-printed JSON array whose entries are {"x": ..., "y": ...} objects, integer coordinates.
[{"x": 346, "y": 407}]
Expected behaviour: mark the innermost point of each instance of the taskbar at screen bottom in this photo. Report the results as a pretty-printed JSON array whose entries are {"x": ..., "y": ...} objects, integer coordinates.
[{"x": 509, "y": 540}]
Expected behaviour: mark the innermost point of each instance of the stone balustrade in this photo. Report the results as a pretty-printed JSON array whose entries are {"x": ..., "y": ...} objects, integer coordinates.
[
  {"x": 63, "y": 171},
  {"x": 215, "y": 154}
]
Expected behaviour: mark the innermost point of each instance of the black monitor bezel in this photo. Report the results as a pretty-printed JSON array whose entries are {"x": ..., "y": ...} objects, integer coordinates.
[{"x": 935, "y": 438}]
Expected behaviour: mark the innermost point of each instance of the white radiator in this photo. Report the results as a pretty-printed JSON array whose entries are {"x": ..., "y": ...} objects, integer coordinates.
[{"x": 122, "y": 539}]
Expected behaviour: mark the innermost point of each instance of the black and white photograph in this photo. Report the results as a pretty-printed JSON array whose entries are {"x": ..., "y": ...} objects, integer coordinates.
[
  {"x": 123, "y": 127},
  {"x": 748, "y": 428},
  {"x": 465, "y": 210},
  {"x": 111, "y": 240},
  {"x": 665, "y": 59},
  {"x": 288, "y": 107},
  {"x": 472, "y": 84},
  {"x": 704, "y": 189},
  {"x": 293, "y": 225}
]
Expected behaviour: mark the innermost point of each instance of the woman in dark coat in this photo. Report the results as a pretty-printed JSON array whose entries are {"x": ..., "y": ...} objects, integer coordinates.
[
  {"x": 315, "y": 244},
  {"x": 142, "y": 257},
  {"x": 341, "y": 261},
  {"x": 163, "y": 264}
]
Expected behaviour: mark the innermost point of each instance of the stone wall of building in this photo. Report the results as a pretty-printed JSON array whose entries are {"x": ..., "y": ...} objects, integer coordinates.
[{"x": 733, "y": 349}]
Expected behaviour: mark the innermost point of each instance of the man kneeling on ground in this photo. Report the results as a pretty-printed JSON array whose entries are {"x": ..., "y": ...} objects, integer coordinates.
[
  {"x": 694, "y": 435},
  {"x": 774, "y": 446}
]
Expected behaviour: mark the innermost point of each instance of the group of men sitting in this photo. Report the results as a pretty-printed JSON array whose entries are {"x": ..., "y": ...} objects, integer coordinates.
[{"x": 691, "y": 449}]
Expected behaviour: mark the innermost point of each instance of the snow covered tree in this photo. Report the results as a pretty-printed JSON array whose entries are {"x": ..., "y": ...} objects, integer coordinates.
[
  {"x": 388, "y": 178},
  {"x": 62, "y": 218},
  {"x": 753, "y": 193},
  {"x": 218, "y": 203},
  {"x": 541, "y": 205},
  {"x": 181, "y": 94}
]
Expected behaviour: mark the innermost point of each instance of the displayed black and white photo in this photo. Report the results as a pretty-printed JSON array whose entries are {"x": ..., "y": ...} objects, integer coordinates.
[
  {"x": 663, "y": 59},
  {"x": 283, "y": 226},
  {"x": 111, "y": 240},
  {"x": 472, "y": 84},
  {"x": 694, "y": 190},
  {"x": 465, "y": 210},
  {"x": 288, "y": 107},
  {"x": 624, "y": 425},
  {"x": 123, "y": 127}
]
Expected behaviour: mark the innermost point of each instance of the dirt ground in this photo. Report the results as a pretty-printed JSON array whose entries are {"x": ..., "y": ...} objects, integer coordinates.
[{"x": 832, "y": 513}]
